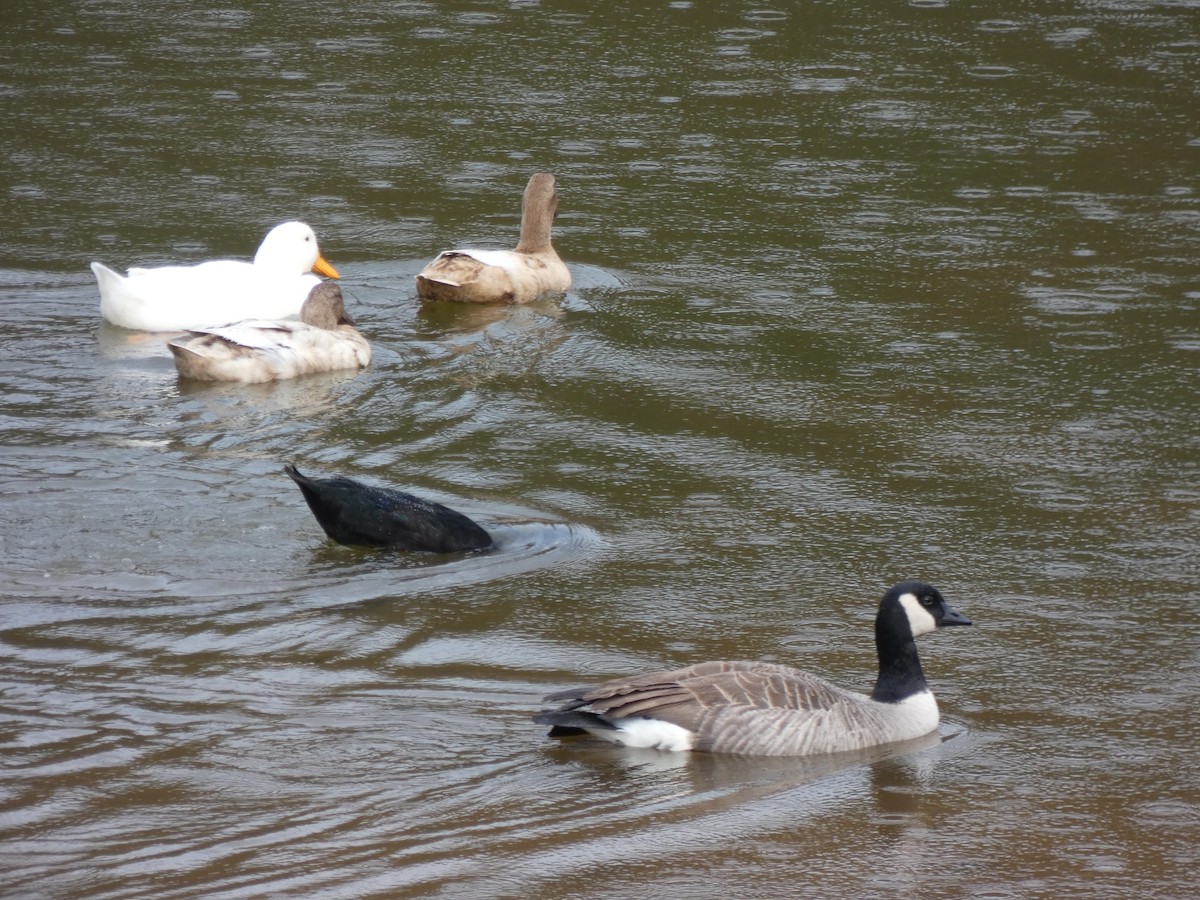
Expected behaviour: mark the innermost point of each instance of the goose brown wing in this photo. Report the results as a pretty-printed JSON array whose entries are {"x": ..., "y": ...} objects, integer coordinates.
[{"x": 688, "y": 697}]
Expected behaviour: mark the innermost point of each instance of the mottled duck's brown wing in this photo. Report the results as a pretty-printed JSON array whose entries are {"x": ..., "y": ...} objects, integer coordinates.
[{"x": 452, "y": 267}]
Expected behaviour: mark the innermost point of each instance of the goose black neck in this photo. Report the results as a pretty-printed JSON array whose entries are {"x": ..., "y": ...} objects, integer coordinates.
[{"x": 900, "y": 673}]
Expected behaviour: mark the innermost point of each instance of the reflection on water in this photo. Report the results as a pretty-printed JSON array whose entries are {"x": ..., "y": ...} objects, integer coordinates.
[{"x": 860, "y": 293}]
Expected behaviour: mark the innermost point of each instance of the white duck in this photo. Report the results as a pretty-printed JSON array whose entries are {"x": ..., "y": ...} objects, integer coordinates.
[
  {"x": 174, "y": 298},
  {"x": 504, "y": 276},
  {"x": 254, "y": 351}
]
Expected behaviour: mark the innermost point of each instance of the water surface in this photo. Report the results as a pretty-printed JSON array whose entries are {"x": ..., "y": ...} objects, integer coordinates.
[{"x": 862, "y": 292}]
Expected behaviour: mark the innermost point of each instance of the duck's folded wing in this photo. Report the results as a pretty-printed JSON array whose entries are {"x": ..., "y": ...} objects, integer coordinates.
[
  {"x": 256, "y": 335},
  {"x": 453, "y": 267},
  {"x": 732, "y": 707},
  {"x": 686, "y": 696}
]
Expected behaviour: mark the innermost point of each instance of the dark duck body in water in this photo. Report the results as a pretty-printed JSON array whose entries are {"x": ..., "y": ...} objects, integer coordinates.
[{"x": 358, "y": 514}]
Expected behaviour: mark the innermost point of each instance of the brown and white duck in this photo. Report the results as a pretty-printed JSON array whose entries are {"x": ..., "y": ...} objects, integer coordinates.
[
  {"x": 324, "y": 340},
  {"x": 504, "y": 276}
]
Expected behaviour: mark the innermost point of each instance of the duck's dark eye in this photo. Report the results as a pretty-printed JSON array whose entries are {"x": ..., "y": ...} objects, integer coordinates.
[{"x": 928, "y": 601}]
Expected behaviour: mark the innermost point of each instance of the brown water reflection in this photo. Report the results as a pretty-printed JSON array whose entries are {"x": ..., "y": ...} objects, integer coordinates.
[{"x": 862, "y": 292}]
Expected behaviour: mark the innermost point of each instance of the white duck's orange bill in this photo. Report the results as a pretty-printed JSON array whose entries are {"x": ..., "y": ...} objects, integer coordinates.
[{"x": 322, "y": 267}]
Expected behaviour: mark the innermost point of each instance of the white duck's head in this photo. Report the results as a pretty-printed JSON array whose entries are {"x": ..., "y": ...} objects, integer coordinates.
[{"x": 291, "y": 248}]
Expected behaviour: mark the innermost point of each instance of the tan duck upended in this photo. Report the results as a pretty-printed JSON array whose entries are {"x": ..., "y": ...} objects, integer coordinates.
[
  {"x": 504, "y": 276},
  {"x": 324, "y": 340}
]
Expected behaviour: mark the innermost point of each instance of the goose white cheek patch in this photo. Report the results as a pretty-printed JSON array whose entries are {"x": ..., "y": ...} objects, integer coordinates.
[{"x": 919, "y": 619}]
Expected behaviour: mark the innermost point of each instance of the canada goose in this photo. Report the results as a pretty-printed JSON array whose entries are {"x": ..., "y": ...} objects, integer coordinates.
[
  {"x": 763, "y": 709},
  {"x": 324, "y": 340},
  {"x": 177, "y": 298},
  {"x": 504, "y": 276},
  {"x": 355, "y": 513}
]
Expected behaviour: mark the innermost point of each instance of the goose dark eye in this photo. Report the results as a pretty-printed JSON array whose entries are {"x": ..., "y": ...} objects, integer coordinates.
[{"x": 928, "y": 601}]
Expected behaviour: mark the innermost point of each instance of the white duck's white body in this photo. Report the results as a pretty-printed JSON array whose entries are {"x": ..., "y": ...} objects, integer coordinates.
[
  {"x": 324, "y": 340},
  {"x": 176, "y": 298}
]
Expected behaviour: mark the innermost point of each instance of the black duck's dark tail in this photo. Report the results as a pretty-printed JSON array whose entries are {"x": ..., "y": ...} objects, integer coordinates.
[
  {"x": 354, "y": 513},
  {"x": 566, "y": 722}
]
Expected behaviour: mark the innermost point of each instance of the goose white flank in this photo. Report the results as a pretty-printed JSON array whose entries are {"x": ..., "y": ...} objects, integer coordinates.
[
  {"x": 764, "y": 709},
  {"x": 176, "y": 298}
]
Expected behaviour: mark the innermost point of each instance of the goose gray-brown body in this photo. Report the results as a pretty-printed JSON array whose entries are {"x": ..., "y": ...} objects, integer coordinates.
[
  {"x": 765, "y": 709},
  {"x": 504, "y": 276},
  {"x": 324, "y": 340}
]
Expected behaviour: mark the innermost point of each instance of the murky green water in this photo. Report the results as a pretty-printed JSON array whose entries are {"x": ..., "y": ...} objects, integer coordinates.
[{"x": 863, "y": 291}]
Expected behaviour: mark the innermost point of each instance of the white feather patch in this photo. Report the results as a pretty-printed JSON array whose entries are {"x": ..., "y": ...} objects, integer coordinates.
[
  {"x": 501, "y": 259},
  {"x": 648, "y": 734},
  {"x": 915, "y": 715},
  {"x": 919, "y": 619}
]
